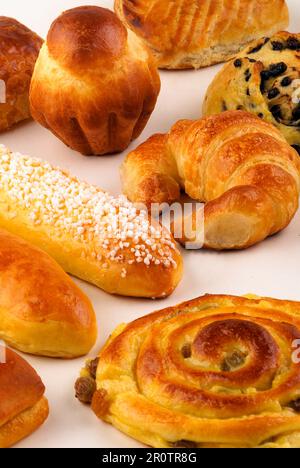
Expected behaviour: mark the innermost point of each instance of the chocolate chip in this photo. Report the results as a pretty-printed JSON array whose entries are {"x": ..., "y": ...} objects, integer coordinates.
[
  {"x": 273, "y": 93},
  {"x": 293, "y": 43},
  {"x": 261, "y": 115},
  {"x": 297, "y": 148},
  {"x": 295, "y": 405},
  {"x": 296, "y": 113},
  {"x": 85, "y": 388},
  {"x": 248, "y": 92},
  {"x": 184, "y": 444},
  {"x": 247, "y": 75},
  {"x": 240, "y": 108},
  {"x": 286, "y": 81},
  {"x": 238, "y": 63},
  {"x": 277, "y": 69},
  {"x": 186, "y": 351},
  {"x": 233, "y": 361},
  {"x": 276, "y": 111},
  {"x": 92, "y": 368},
  {"x": 252, "y": 61},
  {"x": 259, "y": 47},
  {"x": 277, "y": 45},
  {"x": 224, "y": 106}
]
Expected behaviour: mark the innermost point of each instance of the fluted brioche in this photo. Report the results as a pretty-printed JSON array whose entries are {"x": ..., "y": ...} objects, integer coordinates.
[
  {"x": 198, "y": 33},
  {"x": 95, "y": 83},
  {"x": 239, "y": 165},
  {"x": 19, "y": 49},
  {"x": 218, "y": 371},
  {"x": 42, "y": 311},
  {"x": 92, "y": 235},
  {"x": 262, "y": 79},
  {"x": 23, "y": 408}
]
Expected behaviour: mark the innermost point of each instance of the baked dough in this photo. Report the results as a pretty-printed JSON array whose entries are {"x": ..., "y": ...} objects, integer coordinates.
[
  {"x": 198, "y": 33},
  {"x": 95, "y": 83},
  {"x": 215, "y": 372},
  {"x": 23, "y": 408},
  {"x": 236, "y": 163},
  {"x": 263, "y": 79},
  {"x": 42, "y": 311},
  {"x": 92, "y": 235},
  {"x": 19, "y": 49}
]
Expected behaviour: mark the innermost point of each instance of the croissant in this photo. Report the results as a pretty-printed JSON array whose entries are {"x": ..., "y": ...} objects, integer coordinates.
[
  {"x": 215, "y": 372},
  {"x": 95, "y": 83},
  {"x": 198, "y": 33},
  {"x": 23, "y": 407},
  {"x": 263, "y": 79},
  {"x": 238, "y": 164},
  {"x": 19, "y": 49}
]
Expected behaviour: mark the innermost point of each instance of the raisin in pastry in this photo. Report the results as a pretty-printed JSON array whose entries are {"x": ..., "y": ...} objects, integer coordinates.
[{"x": 265, "y": 80}]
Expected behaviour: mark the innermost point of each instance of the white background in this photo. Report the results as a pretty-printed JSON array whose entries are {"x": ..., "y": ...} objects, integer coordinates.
[{"x": 271, "y": 268}]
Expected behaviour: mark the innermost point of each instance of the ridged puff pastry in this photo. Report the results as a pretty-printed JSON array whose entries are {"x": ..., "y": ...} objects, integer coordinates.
[
  {"x": 198, "y": 33},
  {"x": 42, "y": 311},
  {"x": 23, "y": 408},
  {"x": 95, "y": 83},
  {"x": 92, "y": 235},
  {"x": 215, "y": 372},
  {"x": 19, "y": 49},
  {"x": 236, "y": 163},
  {"x": 263, "y": 79}
]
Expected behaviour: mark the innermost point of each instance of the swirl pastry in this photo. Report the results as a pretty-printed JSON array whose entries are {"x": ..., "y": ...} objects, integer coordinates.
[
  {"x": 23, "y": 407},
  {"x": 219, "y": 371},
  {"x": 263, "y": 79},
  {"x": 236, "y": 163},
  {"x": 19, "y": 49},
  {"x": 95, "y": 83},
  {"x": 92, "y": 235},
  {"x": 198, "y": 33}
]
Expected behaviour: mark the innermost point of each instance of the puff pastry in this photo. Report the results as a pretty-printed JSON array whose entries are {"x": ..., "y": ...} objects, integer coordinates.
[
  {"x": 215, "y": 372},
  {"x": 19, "y": 49},
  {"x": 263, "y": 79},
  {"x": 42, "y": 311},
  {"x": 23, "y": 407},
  {"x": 236, "y": 163},
  {"x": 95, "y": 83},
  {"x": 92, "y": 235},
  {"x": 198, "y": 33}
]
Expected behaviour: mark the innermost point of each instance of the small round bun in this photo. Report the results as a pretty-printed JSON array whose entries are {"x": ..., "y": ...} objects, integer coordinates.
[
  {"x": 95, "y": 83},
  {"x": 19, "y": 49}
]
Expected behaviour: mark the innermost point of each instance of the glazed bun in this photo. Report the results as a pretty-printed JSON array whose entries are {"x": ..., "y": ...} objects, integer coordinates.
[
  {"x": 95, "y": 83},
  {"x": 19, "y": 49}
]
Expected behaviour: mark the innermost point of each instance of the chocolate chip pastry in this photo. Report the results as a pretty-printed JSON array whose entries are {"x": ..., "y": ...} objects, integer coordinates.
[
  {"x": 215, "y": 372},
  {"x": 263, "y": 79}
]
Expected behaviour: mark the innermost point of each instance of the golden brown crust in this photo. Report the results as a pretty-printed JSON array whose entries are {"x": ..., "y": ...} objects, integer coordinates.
[
  {"x": 262, "y": 79},
  {"x": 19, "y": 49},
  {"x": 95, "y": 84},
  {"x": 239, "y": 165},
  {"x": 198, "y": 33},
  {"x": 22, "y": 405},
  {"x": 216, "y": 371},
  {"x": 43, "y": 312}
]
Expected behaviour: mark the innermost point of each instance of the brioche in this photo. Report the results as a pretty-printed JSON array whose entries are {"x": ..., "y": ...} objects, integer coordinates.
[
  {"x": 198, "y": 33},
  {"x": 19, "y": 49},
  {"x": 23, "y": 408},
  {"x": 92, "y": 235},
  {"x": 236, "y": 163},
  {"x": 215, "y": 372},
  {"x": 95, "y": 83},
  {"x": 263, "y": 79},
  {"x": 42, "y": 311}
]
